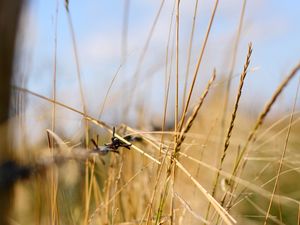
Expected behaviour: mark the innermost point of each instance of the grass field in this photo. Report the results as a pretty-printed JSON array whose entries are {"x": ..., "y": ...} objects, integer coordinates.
[{"x": 207, "y": 158}]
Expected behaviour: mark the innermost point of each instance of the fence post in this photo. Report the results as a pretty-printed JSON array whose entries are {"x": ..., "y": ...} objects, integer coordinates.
[{"x": 10, "y": 11}]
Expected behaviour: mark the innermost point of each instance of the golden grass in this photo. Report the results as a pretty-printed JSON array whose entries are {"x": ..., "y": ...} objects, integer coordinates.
[
  {"x": 283, "y": 154},
  {"x": 176, "y": 176},
  {"x": 194, "y": 114},
  {"x": 233, "y": 116},
  {"x": 262, "y": 117},
  {"x": 198, "y": 64},
  {"x": 101, "y": 212},
  {"x": 236, "y": 105}
]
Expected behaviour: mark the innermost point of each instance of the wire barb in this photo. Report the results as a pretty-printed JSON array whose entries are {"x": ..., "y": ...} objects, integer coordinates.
[{"x": 114, "y": 146}]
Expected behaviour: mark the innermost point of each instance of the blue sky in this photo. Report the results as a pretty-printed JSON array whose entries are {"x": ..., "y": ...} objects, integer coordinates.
[{"x": 272, "y": 27}]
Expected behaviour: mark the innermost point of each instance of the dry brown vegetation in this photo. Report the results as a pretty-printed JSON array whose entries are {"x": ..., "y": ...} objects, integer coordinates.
[{"x": 214, "y": 164}]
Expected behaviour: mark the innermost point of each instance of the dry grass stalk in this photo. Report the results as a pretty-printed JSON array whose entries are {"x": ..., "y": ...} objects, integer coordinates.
[
  {"x": 148, "y": 211},
  {"x": 233, "y": 62},
  {"x": 108, "y": 91},
  {"x": 168, "y": 77},
  {"x": 283, "y": 154},
  {"x": 176, "y": 100},
  {"x": 228, "y": 219},
  {"x": 86, "y": 125},
  {"x": 264, "y": 113},
  {"x": 76, "y": 56},
  {"x": 282, "y": 199},
  {"x": 196, "y": 109},
  {"x": 257, "y": 189},
  {"x": 53, "y": 173},
  {"x": 198, "y": 64},
  {"x": 189, "y": 209},
  {"x": 258, "y": 123},
  {"x": 233, "y": 116},
  {"x": 262, "y": 212},
  {"x": 189, "y": 54},
  {"x": 264, "y": 140},
  {"x": 236, "y": 105},
  {"x": 136, "y": 75},
  {"x": 178, "y": 142},
  {"x": 177, "y": 65},
  {"x": 111, "y": 199}
]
